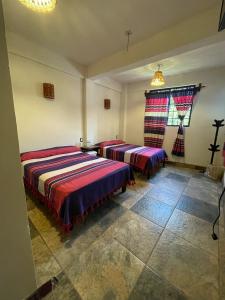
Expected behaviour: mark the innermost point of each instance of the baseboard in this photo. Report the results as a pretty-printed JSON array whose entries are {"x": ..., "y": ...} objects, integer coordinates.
[{"x": 184, "y": 165}]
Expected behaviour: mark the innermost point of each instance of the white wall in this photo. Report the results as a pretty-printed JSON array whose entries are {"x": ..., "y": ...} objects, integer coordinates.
[
  {"x": 102, "y": 124},
  {"x": 17, "y": 269},
  {"x": 210, "y": 105},
  {"x": 78, "y": 108},
  {"x": 44, "y": 123}
]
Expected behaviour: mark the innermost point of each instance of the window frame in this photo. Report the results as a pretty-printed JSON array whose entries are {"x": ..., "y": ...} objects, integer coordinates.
[{"x": 189, "y": 121}]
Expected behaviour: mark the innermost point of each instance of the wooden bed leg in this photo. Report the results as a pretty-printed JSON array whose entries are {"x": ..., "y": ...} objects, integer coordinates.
[
  {"x": 164, "y": 162},
  {"x": 124, "y": 188},
  {"x": 148, "y": 174}
]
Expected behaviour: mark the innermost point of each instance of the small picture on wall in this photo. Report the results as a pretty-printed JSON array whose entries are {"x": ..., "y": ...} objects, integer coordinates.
[
  {"x": 48, "y": 90},
  {"x": 107, "y": 103}
]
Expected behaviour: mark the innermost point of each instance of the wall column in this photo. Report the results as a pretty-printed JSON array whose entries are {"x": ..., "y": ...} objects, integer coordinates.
[{"x": 17, "y": 269}]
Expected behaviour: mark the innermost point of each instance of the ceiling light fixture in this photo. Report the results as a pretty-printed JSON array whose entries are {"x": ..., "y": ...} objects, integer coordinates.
[
  {"x": 158, "y": 78},
  {"x": 43, "y": 6}
]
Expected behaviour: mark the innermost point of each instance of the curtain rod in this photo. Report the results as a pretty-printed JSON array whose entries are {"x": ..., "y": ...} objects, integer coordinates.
[{"x": 198, "y": 88}]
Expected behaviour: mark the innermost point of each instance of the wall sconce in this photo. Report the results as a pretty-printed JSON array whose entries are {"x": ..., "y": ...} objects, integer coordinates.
[
  {"x": 107, "y": 103},
  {"x": 48, "y": 91}
]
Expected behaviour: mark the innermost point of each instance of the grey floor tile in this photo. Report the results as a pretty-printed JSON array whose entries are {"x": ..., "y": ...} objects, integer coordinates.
[
  {"x": 30, "y": 203},
  {"x": 45, "y": 264},
  {"x": 187, "y": 267},
  {"x": 106, "y": 270},
  {"x": 188, "y": 172},
  {"x": 163, "y": 172},
  {"x": 193, "y": 229},
  {"x": 64, "y": 290},
  {"x": 104, "y": 256},
  {"x": 106, "y": 214},
  {"x": 142, "y": 185},
  {"x": 127, "y": 199},
  {"x": 66, "y": 250},
  {"x": 155, "y": 178},
  {"x": 164, "y": 194},
  {"x": 136, "y": 233},
  {"x": 205, "y": 195},
  {"x": 172, "y": 184},
  {"x": 151, "y": 287},
  {"x": 201, "y": 176},
  {"x": 33, "y": 230},
  {"x": 64, "y": 247},
  {"x": 41, "y": 219},
  {"x": 197, "y": 208},
  {"x": 203, "y": 189},
  {"x": 153, "y": 210},
  {"x": 178, "y": 177}
]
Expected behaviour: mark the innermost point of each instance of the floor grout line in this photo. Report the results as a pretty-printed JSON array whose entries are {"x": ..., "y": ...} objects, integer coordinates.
[
  {"x": 164, "y": 227},
  {"x": 166, "y": 280},
  {"x": 58, "y": 262},
  {"x": 155, "y": 245}
]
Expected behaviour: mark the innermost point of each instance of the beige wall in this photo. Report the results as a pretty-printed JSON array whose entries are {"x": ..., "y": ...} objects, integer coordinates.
[
  {"x": 102, "y": 124},
  {"x": 78, "y": 108},
  {"x": 17, "y": 270},
  {"x": 45, "y": 123},
  {"x": 210, "y": 105}
]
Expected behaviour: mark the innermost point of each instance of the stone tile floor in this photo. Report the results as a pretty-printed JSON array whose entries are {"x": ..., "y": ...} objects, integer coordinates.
[{"x": 152, "y": 242}]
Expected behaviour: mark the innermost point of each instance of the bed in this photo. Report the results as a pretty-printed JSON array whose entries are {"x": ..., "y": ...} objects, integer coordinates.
[
  {"x": 72, "y": 183},
  {"x": 141, "y": 158}
]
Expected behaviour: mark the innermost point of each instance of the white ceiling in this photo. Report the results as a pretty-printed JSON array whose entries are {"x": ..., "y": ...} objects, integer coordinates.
[
  {"x": 88, "y": 30},
  {"x": 202, "y": 58}
]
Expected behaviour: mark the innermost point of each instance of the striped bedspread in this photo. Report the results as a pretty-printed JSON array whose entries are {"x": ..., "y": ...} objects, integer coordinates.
[
  {"x": 141, "y": 157},
  {"x": 73, "y": 183}
]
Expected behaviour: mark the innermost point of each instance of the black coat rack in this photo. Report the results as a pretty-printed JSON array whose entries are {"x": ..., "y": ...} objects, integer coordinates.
[{"x": 214, "y": 147}]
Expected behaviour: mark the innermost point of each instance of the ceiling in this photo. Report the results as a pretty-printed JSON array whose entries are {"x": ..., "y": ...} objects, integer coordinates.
[
  {"x": 87, "y": 30},
  {"x": 202, "y": 58}
]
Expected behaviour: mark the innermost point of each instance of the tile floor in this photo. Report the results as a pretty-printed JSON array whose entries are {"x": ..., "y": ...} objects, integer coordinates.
[{"x": 152, "y": 242}]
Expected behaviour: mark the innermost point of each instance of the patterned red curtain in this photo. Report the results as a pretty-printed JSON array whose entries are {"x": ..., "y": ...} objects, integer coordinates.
[
  {"x": 156, "y": 115},
  {"x": 183, "y": 100}
]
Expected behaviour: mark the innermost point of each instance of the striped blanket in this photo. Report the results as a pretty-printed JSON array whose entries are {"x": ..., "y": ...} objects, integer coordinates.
[
  {"x": 140, "y": 157},
  {"x": 72, "y": 183}
]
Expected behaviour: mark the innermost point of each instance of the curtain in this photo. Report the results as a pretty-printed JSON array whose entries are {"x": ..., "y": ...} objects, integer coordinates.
[
  {"x": 156, "y": 115},
  {"x": 183, "y": 100}
]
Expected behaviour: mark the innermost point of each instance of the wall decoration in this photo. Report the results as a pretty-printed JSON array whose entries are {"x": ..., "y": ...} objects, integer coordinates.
[
  {"x": 107, "y": 103},
  {"x": 48, "y": 91}
]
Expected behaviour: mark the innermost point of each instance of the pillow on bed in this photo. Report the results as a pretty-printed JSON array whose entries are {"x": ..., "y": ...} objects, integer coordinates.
[
  {"x": 48, "y": 152},
  {"x": 112, "y": 142}
]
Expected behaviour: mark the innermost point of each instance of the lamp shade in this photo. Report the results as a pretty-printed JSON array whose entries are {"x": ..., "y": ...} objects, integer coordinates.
[
  {"x": 158, "y": 79},
  {"x": 40, "y": 5}
]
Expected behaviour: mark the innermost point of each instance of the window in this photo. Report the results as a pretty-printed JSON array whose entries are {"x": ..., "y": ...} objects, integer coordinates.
[{"x": 173, "y": 119}]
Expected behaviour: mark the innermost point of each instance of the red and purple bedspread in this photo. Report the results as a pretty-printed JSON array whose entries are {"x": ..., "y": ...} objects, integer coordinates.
[
  {"x": 72, "y": 183},
  {"x": 140, "y": 157}
]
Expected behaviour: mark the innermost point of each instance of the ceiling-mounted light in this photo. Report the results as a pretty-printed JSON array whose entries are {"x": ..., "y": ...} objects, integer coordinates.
[
  {"x": 42, "y": 6},
  {"x": 158, "y": 79}
]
